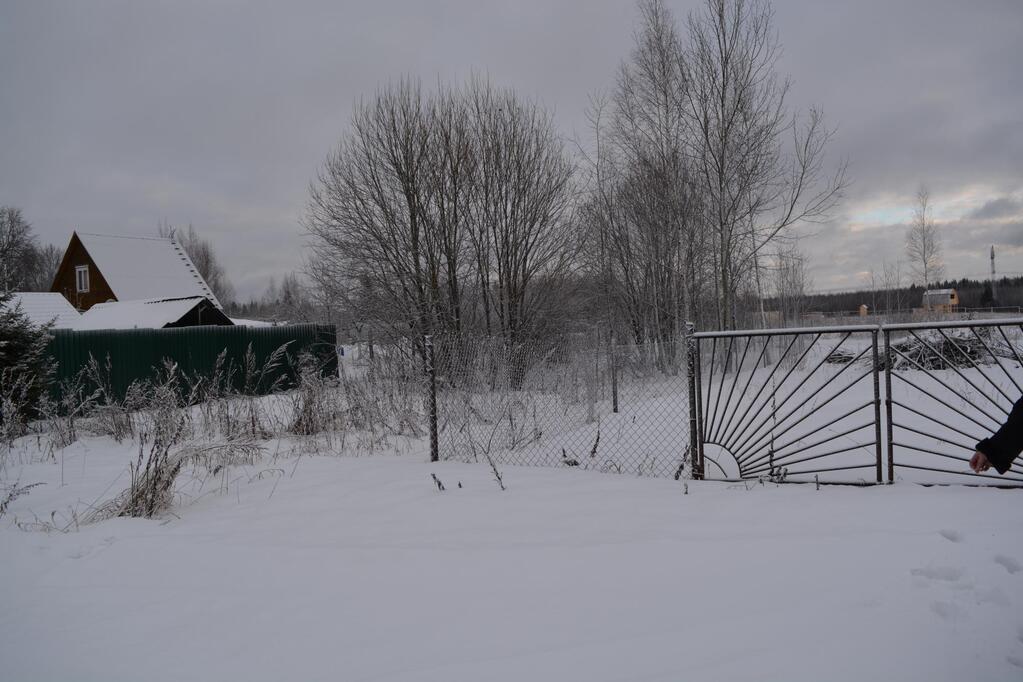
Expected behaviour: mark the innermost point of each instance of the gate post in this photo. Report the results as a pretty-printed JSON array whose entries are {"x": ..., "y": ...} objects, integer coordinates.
[
  {"x": 888, "y": 402},
  {"x": 877, "y": 404},
  {"x": 695, "y": 432}
]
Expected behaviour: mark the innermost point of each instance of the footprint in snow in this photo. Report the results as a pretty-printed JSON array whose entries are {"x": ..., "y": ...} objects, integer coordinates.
[
  {"x": 951, "y": 535},
  {"x": 87, "y": 550},
  {"x": 946, "y": 573},
  {"x": 1018, "y": 662},
  {"x": 947, "y": 610},
  {"x": 993, "y": 596},
  {"x": 1009, "y": 564}
]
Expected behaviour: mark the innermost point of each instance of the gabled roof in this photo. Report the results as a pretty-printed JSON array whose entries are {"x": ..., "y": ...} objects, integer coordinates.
[
  {"x": 148, "y": 314},
  {"x": 43, "y": 308},
  {"x": 138, "y": 268}
]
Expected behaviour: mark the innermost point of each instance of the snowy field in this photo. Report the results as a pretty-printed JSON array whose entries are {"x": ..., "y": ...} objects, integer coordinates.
[{"x": 314, "y": 568}]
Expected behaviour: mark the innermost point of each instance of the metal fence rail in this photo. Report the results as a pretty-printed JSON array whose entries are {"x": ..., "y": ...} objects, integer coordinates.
[
  {"x": 787, "y": 404},
  {"x": 949, "y": 385}
]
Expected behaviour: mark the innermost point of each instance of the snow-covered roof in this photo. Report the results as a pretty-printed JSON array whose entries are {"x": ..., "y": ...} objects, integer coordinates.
[
  {"x": 942, "y": 292},
  {"x": 241, "y": 322},
  {"x": 42, "y": 308},
  {"x": 149, "y": 314},
  {"x": 138, "y": 268}
]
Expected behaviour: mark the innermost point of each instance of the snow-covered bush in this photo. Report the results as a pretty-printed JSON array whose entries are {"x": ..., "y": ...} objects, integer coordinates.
[
  {"x": 315, "y": 406},
  {"x": 26, "y": 369},
  {"x": 62, "y": 416},
  {"x": 114, "y": 416}
]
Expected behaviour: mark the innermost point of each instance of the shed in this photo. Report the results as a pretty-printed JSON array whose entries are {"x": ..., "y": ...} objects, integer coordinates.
[
  {"x": 164, "y": 313},
  {"x": 43, "y": 308},
  {"x": 941, "y": 300}
]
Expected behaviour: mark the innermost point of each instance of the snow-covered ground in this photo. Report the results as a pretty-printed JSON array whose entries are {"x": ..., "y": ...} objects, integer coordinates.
[{"x": 310, "y": 568}]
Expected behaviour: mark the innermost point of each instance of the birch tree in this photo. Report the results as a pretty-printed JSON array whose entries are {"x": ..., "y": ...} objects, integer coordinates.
[
  {"x": 644, "y": 207},
  {"x": 923, "y": 242},
  {"x": 760, "y": 169}
]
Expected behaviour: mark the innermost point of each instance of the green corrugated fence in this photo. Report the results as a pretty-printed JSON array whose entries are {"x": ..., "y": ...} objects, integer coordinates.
[{"x": 139, "y": 354}]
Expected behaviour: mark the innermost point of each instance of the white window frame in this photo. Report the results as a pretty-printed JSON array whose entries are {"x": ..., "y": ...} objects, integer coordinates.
[{"x": 82, "y": 278}]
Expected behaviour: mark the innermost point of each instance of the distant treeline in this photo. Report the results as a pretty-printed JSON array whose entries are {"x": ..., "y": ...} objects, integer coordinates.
[{"x": 972, "y": 294}]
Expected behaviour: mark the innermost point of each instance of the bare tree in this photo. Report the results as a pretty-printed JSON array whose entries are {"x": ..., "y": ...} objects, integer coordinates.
[
  {"x": 204, "y": 257},
  {"x": 923, "y": 242},
  {"x": 699, "y": 168},
  {"x": 520, "y": 227},
  {"x": 368, "y": 210},
  {"x": 891, "y": 284},
  {"x": 791, "y": 283},
  {"x": 643, "y": 209},
  {"x": 291, "y": 300},
  {"x": 444, "y": 212},
  {"x": 760, "y": 170},
  {"x": 45, "y": 261},
  {"x": 17, "y": 249}
]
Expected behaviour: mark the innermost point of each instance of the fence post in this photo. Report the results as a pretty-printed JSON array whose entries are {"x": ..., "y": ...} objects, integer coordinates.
[
  {"x": 431, "y": 375},
  {"x": 877, "y": 404},
  {"x": 613, "y": 357},
  {"x": 888, "y": 402},
  {"x": 692, "y": 366}
]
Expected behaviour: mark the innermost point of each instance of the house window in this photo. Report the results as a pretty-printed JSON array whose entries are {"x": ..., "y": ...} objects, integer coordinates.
[{"x": 82, "y": 278}]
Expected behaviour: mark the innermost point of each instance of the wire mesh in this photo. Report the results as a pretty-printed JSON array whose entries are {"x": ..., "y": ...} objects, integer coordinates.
[
  {"x": 385, "y": 390},
  {"x": 785, "y": 404},
  {"x": 570, "y": 402}
]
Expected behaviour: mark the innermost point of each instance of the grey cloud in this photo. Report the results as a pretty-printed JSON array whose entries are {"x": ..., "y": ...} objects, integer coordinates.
[
  {"x": 117, "y": 114},
  {"x": 1002, "y": 207},
  {"x": 968, "y": 233},
  {"x": 838, "y": 259}
]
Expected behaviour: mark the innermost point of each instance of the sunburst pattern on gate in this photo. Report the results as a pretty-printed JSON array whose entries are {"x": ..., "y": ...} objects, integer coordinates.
[{"x": 788, "y": 404}]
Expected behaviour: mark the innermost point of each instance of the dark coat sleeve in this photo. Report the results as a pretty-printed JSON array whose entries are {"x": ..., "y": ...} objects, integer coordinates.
[{"x": 1003, "y": 447}]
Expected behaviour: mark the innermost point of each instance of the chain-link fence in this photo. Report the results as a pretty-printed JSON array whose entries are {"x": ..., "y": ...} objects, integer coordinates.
[
  {"x": 573, "y": 402},
  {"x": 786, "y": 403}
]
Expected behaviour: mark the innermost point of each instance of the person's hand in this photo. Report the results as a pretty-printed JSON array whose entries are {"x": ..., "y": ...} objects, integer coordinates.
[{"x": 979, "y": 462}]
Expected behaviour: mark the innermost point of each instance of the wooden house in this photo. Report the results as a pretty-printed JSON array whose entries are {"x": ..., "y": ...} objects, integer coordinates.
[{"x": 99, "y": 268}]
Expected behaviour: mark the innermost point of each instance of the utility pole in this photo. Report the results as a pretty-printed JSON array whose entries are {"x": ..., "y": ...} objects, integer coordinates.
[{"x": 994, "y": 294}]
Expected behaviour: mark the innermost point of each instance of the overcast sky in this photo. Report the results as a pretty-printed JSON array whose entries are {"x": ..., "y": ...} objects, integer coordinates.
[{"x": 115, "y": 116}]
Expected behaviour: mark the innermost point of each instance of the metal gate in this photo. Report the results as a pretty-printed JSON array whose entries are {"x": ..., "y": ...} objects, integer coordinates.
[
  {"x": 949, "y": 385},
  {"x": 788, "y": 404},
  {"x": 805, "y": 404}
]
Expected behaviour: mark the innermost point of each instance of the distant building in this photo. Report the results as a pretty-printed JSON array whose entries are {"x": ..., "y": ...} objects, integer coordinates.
[
  {"x": 46, "y": 308},
  {"x": 941, "y": 300},
  {"x": 99, "y": 268}
]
